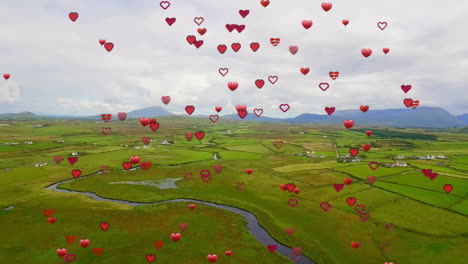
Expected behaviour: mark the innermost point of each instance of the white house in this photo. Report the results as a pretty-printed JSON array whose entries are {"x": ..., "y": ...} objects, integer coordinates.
[
  {"x": 74, "y": 154},
  {"x": 40, "y": 164},
  {"x": 28, "y": 142},
  {"x": 441, "y": 156},
  {"x": 400, "y": 156}
]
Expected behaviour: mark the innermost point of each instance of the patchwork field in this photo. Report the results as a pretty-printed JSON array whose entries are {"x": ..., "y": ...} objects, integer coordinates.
[{"x": 430, "y": 225}]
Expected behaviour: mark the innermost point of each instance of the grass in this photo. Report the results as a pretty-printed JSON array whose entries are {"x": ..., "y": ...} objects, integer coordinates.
[{"x": 430, "y": 224}]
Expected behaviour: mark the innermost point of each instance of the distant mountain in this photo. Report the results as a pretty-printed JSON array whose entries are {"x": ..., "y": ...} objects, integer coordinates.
[
  {"x": 430, "y": 117},
  {"x": 20, "y": 116},
  {"x": 153, "y": 111},
  {"x": 463, "y": 118}
]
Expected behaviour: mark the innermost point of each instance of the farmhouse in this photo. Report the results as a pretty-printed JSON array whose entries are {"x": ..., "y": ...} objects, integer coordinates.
[
  {"x": 28, "y": 142},
  {"x": 40, "y": 164}
]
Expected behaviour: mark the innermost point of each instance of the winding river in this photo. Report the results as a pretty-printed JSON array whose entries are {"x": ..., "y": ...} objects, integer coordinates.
[{"x": 252, "y": 224}]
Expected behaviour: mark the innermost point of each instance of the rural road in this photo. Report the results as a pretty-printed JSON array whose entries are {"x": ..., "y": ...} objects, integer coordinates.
[{"x": 252, "y": 224}]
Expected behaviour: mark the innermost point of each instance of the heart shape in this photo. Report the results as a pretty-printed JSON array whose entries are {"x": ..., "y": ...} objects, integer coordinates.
[
  {"x": 345, "y": 22},
  {"x": 293, "y": 50},
  {"x": 72, "y": 160},
  {"x": 264, "y": 3},
  {"x": 305, "y": 71},
  {"x": 388, "y": 226},
  {"x": 218, "y": 168},
  {"x": 240, "y": 186},
  {"x": 104, "y": 226},
  {"x": 307, "y": 24},
  {"x": 353, "y": 151},
  {"x": 164, "y": 4},
  {"x": 364, "y": 108},
  {"x": 198, "y": 20},
  {"x": 278, "y": 144},
  {"x": 448, "y": 187},
  {"x": 244, "y": 13},
  {"x": 73, "y": 16},
  {"x": 408, "y": 102},
  {"x": 242, "y": 113},
  {"x": 188, "y": 136},
  {"x": 170, "y": 20},
  {"x": 366, "y": 147},
  {"x": 290, "y": 187},
  {"x": 76, "y": 173},
  {"x": 324, "y": 86},
  {"x": 146, "y": 165},
  {"x": 326, "y": 6},
  {"x": 351, "y": 201},
  {"x": 355, "y": 244},
  {"x": 223, "y": 71},
  {"x": 405, "y": 88},
  {"x": 231, "y": 27},
  {"x": 359, "y": 208},
  {"x": 325, "y": 206},
  {"x": 214, "y": 118},
  {"x": 386, "y": 50},
  {"x": 183, "y": 226},
  {"x": 109, "y": 46},
  {"x": 289, "y": 230},
  {"x": 198, "y": 43},
  {"x": 233, "y": 85},
  {"x": 275, "y": 41},
  {"x": 191, "y": 39},
  {"x": 334, "y": 75},
  {"x": 6, "y": 76},
  {"x": 284, "y": 107},
  {"x": 106, "y": 130},
  {"x": 166, "y": 99},
  {"x": 371, "y": 179},
  {"x": 293, "y": 202},
  {"x": 236, "y": 46},
  {"x": 366, "y": 52},
  {"x": 154, "y": 126},
  {"x": 258, "y": 112},
  {"x": 382, "y": 25},
  {"x": 205, "y": 175},
  {"x": 222, "y": 48},
  {"x": 272, "y": 248},
  {"x": 218, "y": 109},
  {"x": 338, "y": 187},
  {"x": 201, "y": 31},
  {"x": 240, "y": 28},
  {"x": 259, "y": 83},
  {"x": 199, "y": 135},
  {"x": 273, "y": 79},
  {"x": 58, "y": 159},
  {"x": 330, "y": 110},
  {"x": 373, "y": 165},
  {"x": 122, "y": 116},
  {"x": 127, "y": 165},
  {"x": 150, "y": 258},
  {"x": 254, "y": 46}
]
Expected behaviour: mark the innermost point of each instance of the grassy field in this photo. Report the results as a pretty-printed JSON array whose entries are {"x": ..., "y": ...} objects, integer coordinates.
[{"x": 431, "y": 226}]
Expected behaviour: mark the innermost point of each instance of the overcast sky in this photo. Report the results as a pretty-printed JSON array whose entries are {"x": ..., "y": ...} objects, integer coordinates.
[{"x": 58, "y": 66}]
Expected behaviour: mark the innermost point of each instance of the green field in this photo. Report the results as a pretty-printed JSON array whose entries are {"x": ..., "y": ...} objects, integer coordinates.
[{"x": 431, "y": 226}]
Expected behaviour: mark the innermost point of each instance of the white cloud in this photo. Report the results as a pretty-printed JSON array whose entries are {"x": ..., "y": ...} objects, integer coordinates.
[
  {"x": 59, "y": 63},
  {"x": 9, "y": 92}
]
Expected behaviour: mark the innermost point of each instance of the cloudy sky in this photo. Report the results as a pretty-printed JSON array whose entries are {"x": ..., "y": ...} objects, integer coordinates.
[{"x": 58, "y": 66}]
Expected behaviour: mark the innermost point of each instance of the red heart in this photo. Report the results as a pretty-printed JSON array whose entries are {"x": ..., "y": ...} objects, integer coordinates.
[
  {"x": 61, "y": 252},
  {"x": 326, "y": 6},
  {"x": 324, "y": 86},
  {"x": 283, "y": 187},
  {"x": 361, "y": 216},
  {"x": 369, "y": 133},
  {"x": 254, "y": 46},
  {"x": 325, "y": 206},
  {"x": 122, "y": 116},
  {"x": 165, "y": 4},
  {"x": 307, "y": 24},
  {"x": 405, "y": 88},
  {"x": 188, "y": 136},
  {"x": 176, "y": 237},
  {"x": 240, "y": 186},
  {"x": 127, "y": 165},
  {"x": 241, "y": 107},
  {"x": 102, "y": 41},
  {"x": 201, "y": 31},
  {"x": 385, "y": 50},
  {"x": 84, "y": 243},
  {"x": 146, "y": 165},
  {"x": 338, "y": 187},
  {"x": 290, "y": 187},
  {"x": 106, "y": 130},
  {"x": 228, "y": 253},
  {"x": 293, "y": 49},
  {"x": 154, "y": 126},
  {"x": 150, "y": 258},
  {"x": 58, "y": 159},
  {"x": 231, "y": 27},
  {"x": 373, "y": 165},
  {"x": 198, "y": 20},
  {"x": 329, "y": 110},
  {"x": 273, "y": 79},
  {"x": 189, "y": 109},
  {"x": 191, "y": 206},
  {"x": 359, "y": 208},
  {"x": 170, "y": 21},
  {"x": 72, "y": 160},
  {"x": 240, "y": 28},
  {"x": 51, "y": 220},
  {"x": 198, "y": 43},
  {"x": 272, "y": 248},
  {"x": 345, "y": 22},
  {"x": 249, "y": 171},
  {"x": 289, "y": 230},
  {"x": 366, "y": 52},
  {"x": 293, "y": 202},
  {"x": 205, "y": 175},
  {"x": 106, "y": 117},
  {"x": 135, "y": 159},
  {"x": 73, "y": 16},
  {"x": 297, "y": 190},
  {"x": 353, "y": 151},
  {"x": 388, "y": 226},
  {"x": 432, "y": 176},
  {"x": 408, "y": 102},
  {"x": 223, "y": 71},
  {"x": 165, "y": 99},
  {"x": 218, "y": 168},
  {"x": 6, "y": 76},
  {"x": 145, "y": 121},
  {"x": 183, "y": 226},
  {"x": 212, "y": 258},
  {"x": 244, "y": 13},
  {"x": 364, "y": 108},
  {"x": 104, "y": 226},
  {"x": 214, "y": 118},
  {"x": 191, "y": 39},
  {"x": 258, "y": 112},
  {"x": 236, "y": 46},
  {"x": 275, "y": 41},
  {"x": 199, "y": 135},
  {"x": 382, "y": 25},
  {"x": 355, "y": 244},
  {"x": 188, "y": 176},
  {"x": 146, "y": 140},
  {"x": 351, "y": 201},
  {"x": 366, "y": 147},
  {"x": 448, "y": 188},
  {"x": 305, "y": 71},
  {"x": 348, "y": 123},
  {"x": 222, "y": 48},
  {"x": 278, "y": 144},
  {"x": 371, "y": 179},
  {"x": 334, "y": 75},
  {"x": 284, "y": 107},
  {"x": 218, "y": 109},
  {"x": 347, "y": 181},
  {"x": 109, "y": 46},
  {"x": 76, "y": 173},
  {"x": 264, "y": 3},
  {"x": 259, "y": 83},
  {"x": 233, "y": 85},
  {"x": 242, "y": 113}
]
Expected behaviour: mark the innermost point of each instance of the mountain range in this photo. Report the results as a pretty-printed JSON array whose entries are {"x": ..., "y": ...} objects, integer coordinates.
[{"x": 423, "y": 117}]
